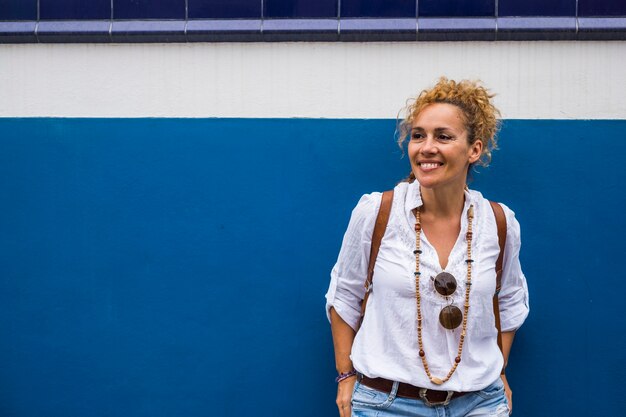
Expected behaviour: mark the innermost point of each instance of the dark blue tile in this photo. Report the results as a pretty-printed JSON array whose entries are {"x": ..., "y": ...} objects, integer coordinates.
[
  {"x": 300, "y": 8},
  {"x": 224, "y": 9},
  {"x": 17, "y": 32},
  {"x": 537, "y": 8},
  {"x": 304, "y": 30},
  {"x": 536, "y": 28},
  {"x": 224, "y": 30},
  {"x": 149, "y": 9},
  {"x": 148, "y": 31},
  {"x": 92, "y": 31},
  {"x": 74, "y": 9},
  {"x": 18, "y": 9},
  {"x": 602, "y": 28},
  {"x": 456, "y": 8},
  {"x": 602, "y": 8},
  {"x": 372, "y": 30},
  {"x": 378, "y": 8},
  {"x": 456, "y": 29}
]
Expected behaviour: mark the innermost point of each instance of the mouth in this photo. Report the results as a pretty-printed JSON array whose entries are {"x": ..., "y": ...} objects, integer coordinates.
[{"x": 429, "y": 165}]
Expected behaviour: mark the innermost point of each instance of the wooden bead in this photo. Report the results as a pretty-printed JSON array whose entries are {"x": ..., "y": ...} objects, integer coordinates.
[
  {"x": 422, "y": 354},
  {"x": 436, "y": 381}
]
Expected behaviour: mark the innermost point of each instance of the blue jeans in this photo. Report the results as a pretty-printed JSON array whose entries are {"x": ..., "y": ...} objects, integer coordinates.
[{"x": 368, "y": 402}]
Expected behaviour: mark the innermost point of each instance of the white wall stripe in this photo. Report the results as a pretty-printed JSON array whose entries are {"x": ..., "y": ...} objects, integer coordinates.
[{"x": 534, "y": 80}]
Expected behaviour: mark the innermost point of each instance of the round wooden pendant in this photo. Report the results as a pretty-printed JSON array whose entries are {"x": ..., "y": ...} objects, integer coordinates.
[
  {"x": 451, "y": 317},
  {"x": 445, "y": 284}
]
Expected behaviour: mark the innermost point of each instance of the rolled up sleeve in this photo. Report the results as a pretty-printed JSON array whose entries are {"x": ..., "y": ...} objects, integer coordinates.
[
  {"x": 513, "y": 297},
  {"x": 347, "y": 278}
]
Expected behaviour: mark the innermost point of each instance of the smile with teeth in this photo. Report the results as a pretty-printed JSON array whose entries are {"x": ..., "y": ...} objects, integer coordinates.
[{"x": 429, "y": 165}]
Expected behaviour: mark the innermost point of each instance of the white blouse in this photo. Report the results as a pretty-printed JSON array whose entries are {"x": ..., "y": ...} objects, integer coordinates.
[{"x": 386, "y": 345}]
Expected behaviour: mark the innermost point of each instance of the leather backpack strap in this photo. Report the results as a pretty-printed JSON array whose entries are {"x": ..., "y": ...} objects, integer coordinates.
[
  {"x": 501, "y": 224},
  {"x": 377, "y": 237}
]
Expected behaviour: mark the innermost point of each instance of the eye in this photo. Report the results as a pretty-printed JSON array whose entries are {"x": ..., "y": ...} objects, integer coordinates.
[
  {"x": 444, "y": 137},
  {"x": 417, "y": 136}
]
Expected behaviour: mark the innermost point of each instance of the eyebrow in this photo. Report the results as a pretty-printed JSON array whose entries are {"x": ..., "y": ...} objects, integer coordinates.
[{"x": 437, "y": 129}]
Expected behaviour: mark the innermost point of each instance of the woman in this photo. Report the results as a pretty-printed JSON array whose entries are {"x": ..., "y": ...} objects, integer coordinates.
[{"x": 428, "y": 341}]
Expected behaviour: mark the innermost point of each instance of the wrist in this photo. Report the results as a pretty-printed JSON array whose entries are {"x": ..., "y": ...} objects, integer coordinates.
[{"x": 345, "y": 375}]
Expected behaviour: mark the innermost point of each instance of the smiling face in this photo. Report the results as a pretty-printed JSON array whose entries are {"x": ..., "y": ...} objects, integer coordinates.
[{"x": 439, "y": 148}]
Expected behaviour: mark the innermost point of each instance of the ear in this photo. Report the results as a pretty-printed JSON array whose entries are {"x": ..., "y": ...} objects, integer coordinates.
[{"x": 475, "y": 151}]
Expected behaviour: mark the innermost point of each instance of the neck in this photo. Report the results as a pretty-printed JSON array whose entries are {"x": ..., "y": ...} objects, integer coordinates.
[{"x": 446, "y": 202}]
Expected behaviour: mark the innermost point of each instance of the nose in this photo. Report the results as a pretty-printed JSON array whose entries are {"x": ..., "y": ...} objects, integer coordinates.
[{"x": 429, "y": 146}]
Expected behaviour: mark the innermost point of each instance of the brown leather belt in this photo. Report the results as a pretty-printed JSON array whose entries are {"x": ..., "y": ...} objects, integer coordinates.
[{"x": 429, "y": 396}]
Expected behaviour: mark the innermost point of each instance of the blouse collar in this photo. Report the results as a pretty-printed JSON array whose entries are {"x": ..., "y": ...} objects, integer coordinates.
[{"x": 414, "y": 200}]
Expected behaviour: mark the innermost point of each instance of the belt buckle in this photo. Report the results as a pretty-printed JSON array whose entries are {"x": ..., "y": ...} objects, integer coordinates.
[{"x": 424, "y": 398}]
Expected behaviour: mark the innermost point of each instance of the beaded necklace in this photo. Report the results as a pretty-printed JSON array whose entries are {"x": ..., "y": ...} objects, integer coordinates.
[{"x": 418, "y": 298}]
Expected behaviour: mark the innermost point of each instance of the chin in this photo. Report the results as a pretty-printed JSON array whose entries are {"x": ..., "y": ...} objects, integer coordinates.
[
  {"x": 427, "y": 185},
  {"x": 424, "y": 182}
]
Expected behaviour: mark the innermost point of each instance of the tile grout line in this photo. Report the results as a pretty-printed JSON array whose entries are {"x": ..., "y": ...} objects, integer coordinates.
[
  {"x": 111, "y": 23},
  {"x": 262, "y": 16},
  {"x": 417, "y": 25},
  {"x": 338, "y": 17},
  {"x": 497, "y": 13},
  {"x": 37, "y": 24},
  {"x": 186, "y": 18},
  {"x": 576, "y": 17}
]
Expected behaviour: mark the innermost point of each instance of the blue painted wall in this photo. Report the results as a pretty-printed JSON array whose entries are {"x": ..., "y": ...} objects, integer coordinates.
[{"x": 177, "y": 267}]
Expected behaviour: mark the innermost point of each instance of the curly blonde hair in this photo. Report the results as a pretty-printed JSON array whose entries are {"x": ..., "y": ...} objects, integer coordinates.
[{"x": 474, "y": 100}]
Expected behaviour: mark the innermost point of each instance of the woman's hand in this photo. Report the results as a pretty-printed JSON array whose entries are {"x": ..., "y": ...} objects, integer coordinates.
[
  {"x": 508, "y": 393},
  {"x": 507, "y": 342},
  {"x": 343, "y": 336},
  {"x": 344, "y": 396}
]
